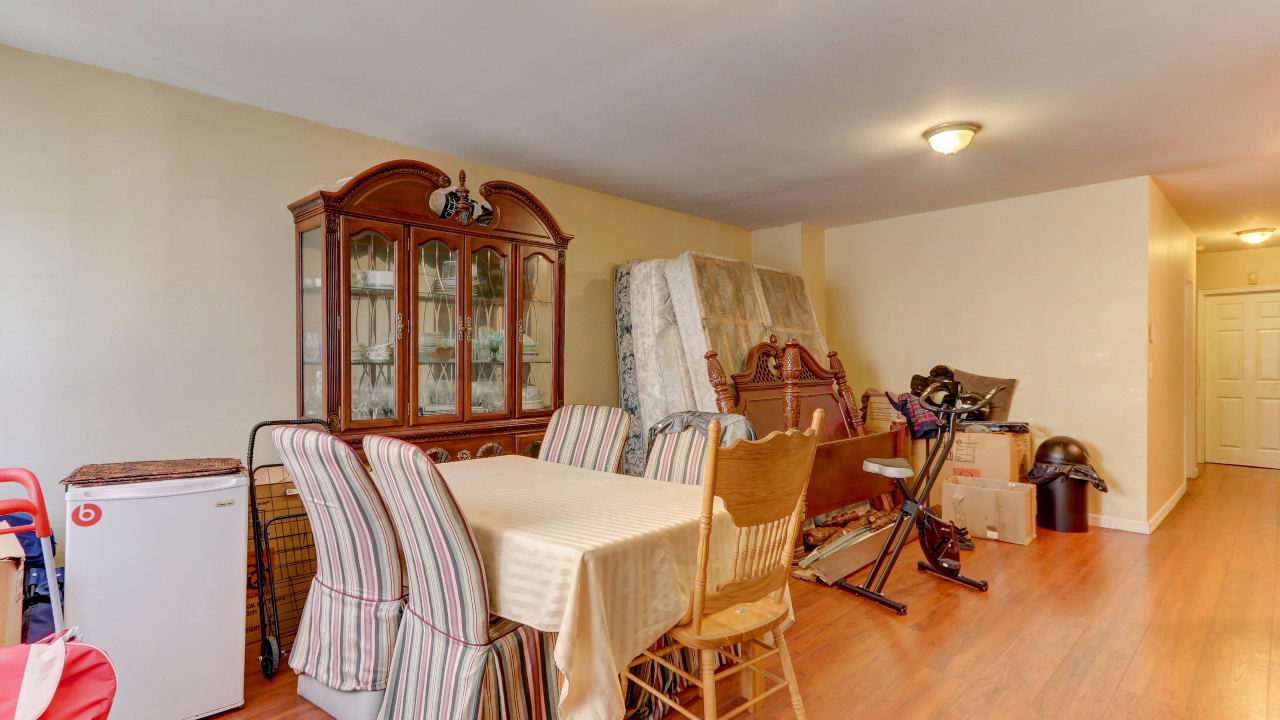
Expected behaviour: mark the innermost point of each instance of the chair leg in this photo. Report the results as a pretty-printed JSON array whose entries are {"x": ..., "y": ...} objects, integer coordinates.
[
  {"x": 710, "y": 663},
  {"x": 789, "y": 673}
]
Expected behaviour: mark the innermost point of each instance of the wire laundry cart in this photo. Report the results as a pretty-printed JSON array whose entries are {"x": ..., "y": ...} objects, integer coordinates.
[{"x": 284, "y": 555}]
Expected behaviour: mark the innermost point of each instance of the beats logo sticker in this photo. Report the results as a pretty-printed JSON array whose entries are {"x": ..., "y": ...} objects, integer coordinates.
[{"x": 86, "y": 515}]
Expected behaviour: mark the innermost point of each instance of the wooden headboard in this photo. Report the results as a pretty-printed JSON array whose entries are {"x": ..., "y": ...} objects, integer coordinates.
[{"x": 782, "y": 384}]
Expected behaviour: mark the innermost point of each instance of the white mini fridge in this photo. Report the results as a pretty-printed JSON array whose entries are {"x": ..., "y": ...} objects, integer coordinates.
[{"x": 155, "y": 576}]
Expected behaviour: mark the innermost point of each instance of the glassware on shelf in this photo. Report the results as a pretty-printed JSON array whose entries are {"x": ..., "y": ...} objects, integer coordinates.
[
  {"x": 536, "y": 326},
  {"x": 436, "y": 322},
  {"x": 311, "y": 347},
  {"x": 311, "y": 247},
  {"x": 488, "y": 273},
  {"x": 374, "y": 326}
]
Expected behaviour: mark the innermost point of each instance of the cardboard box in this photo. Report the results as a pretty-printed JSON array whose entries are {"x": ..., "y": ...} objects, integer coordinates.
[
  {"x": 880, "y": 413},
  {"x": 991, "y": 509},
  {"x": 276, "y": 496},
  {"x": 997, "y": 456},
  {"x": 12, "y": 558},
  {"x": 856, "y": 556}
]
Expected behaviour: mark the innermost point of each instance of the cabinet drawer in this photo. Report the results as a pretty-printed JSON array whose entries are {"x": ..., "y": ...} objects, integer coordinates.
[
  {"x": 530, "y": 443},
  {"x": 470, "y": 448}
]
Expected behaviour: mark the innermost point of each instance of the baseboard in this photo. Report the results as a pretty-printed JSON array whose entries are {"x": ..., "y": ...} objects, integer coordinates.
[
  {"x": 1115, "y": 523},
  {"x": 1137, "y": 526},
  {"x": 1163, "y": 512}
]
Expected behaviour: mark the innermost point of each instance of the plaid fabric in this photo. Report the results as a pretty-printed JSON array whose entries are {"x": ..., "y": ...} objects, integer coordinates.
[
  {"x": 678, "y": 457},
  {"x": 448, "y": 663},
  {"x": 348, "y": 627},
  {"x": 587, "y": 436},
  {"x": 923, "y": 422}
]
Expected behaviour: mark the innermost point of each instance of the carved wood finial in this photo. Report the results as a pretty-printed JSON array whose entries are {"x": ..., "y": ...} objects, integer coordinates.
[
  {"x": 720, "y": 383},
  {"x": 465, "y": 207},
  {"x": 773, "y": 338},
  {"x": 791, "y": 385},
  {"x": 850, "y": 407}
]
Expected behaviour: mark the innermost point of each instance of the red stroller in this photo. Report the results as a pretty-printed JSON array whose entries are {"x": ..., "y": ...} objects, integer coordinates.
[{"x": 56, "y": 678}]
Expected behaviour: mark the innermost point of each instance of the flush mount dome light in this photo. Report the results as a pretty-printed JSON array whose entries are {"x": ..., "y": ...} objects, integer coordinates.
[
  {"x": 1256, "y": 235},
  {"x": 951, "y": 138}
]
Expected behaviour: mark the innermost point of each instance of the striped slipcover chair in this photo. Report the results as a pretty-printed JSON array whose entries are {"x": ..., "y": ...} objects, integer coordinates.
[
  {"x": 588, "y": 436},
  {"x": 678, "y": 457},
  {"x": 452, "y": 660},
  {"x": 348, "y": 627}
]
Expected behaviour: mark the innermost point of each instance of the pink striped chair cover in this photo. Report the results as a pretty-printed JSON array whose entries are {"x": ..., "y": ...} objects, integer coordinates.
[
  {"x": 588, "y": 436},
  {"x": 451, "y": 662},
  {"x": 348, "y": 627},
  {"x": 678, "y": 457}
]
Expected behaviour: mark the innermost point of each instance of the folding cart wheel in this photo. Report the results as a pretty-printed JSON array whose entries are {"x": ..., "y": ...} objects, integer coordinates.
[{"x": 270, "y": 657}]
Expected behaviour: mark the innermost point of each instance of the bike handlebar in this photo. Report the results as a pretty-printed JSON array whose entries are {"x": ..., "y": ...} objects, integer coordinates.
[{"x": 929, "y": 391}]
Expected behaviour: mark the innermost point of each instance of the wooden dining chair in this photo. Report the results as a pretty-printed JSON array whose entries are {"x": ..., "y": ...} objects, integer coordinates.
[
  {"x": 453, "y": 660},
  {"x": 586, "y": 436},
  {"x": 343, "y": 648},
  {"x": 762, "y": 485}
]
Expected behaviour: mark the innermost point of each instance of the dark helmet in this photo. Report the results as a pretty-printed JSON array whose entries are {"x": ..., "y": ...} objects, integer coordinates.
[{"x": 1062, "y": 450}]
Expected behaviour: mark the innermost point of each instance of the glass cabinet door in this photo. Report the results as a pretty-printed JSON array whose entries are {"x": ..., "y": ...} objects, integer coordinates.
[
  {"x": 487, "y": 322},
  {"x": 311, "y": 324},
  {"x": 435, "y": 376},
  {"x": 536, "y": 325},
  {"x": 374, "y": 324}
]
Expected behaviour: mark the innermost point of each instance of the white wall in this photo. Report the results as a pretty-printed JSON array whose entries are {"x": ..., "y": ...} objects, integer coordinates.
[
  {"x": 1050, "y": 289},
  {"x": 146, "y": 264},
  {"x": 1223, "y": 270},
  {"x": 1171, "y": 265}
]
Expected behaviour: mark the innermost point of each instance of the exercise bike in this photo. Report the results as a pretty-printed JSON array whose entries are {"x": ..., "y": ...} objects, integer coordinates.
[{"x": 937, "y": 537}]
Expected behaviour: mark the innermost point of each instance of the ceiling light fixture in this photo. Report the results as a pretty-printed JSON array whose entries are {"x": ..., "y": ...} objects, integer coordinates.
[
  {"x": 951, "y": 138},
  {"x": 1256, "y": 235}
]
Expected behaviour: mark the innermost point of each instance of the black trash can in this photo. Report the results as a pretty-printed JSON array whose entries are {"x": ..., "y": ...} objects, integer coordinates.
[
  {"x": 1062, "y": 504},
  {"x": 1062, "y": 475}
]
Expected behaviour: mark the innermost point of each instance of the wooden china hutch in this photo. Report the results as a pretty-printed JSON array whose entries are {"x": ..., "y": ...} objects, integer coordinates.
[{"x": 429, "y": 315}]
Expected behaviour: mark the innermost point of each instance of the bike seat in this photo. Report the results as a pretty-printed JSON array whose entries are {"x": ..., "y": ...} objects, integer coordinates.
[{"x": 891, "y": 467}]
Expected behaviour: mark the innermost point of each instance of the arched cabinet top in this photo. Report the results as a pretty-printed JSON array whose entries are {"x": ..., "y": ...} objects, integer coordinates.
[{"x": 401, "y": 190}]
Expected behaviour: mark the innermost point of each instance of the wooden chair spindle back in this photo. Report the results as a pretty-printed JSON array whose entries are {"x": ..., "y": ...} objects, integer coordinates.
[{"x": 762, "y": 485}]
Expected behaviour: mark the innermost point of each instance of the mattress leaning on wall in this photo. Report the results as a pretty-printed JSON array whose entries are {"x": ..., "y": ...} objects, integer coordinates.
[
  {"x": 633, "y": 452},
  {"x": 669, "y": 313}
]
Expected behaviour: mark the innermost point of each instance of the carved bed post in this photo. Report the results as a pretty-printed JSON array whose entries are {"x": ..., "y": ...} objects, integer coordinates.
[
  {"x": 791, "y": 384},
  {"x": 851, "y": 412},
  {"x": 720, "y": 383}
]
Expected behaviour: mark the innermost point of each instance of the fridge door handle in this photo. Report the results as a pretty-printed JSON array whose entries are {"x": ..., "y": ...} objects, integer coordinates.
[{"x": 140, "y": 491}]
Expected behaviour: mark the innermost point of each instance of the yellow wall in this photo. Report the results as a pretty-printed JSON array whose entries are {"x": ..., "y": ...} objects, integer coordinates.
[
  {"x": 1222, "y": 270},
  {"x": 1050, "y": 289},
  {"x": 147, "y": 305},
  {"x": 1171, "y": 268}
]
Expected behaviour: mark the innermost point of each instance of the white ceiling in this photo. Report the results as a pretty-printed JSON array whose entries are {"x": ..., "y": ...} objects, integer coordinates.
[{"x": 752, "y": 112}]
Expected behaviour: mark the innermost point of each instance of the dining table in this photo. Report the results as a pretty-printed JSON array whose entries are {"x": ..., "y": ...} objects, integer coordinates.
[{"x": 606, "y": 561}]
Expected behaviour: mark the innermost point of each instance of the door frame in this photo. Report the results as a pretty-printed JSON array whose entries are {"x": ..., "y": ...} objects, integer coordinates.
[{"x": 1201, "y": 319}]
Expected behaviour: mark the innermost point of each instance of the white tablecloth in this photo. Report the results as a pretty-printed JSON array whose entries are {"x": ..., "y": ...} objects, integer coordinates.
[{"x": 605, "y": 560}]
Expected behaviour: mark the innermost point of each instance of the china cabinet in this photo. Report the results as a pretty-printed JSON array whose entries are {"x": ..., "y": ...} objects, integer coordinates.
[{"x": 428, "y": 315}]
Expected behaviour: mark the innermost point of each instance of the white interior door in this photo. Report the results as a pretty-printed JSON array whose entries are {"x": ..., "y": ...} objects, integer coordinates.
[{"x": 1242, "y": 379}]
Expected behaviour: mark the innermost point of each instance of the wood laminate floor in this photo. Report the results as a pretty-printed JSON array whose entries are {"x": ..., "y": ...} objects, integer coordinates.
[{"x": 1108, "y": 625}]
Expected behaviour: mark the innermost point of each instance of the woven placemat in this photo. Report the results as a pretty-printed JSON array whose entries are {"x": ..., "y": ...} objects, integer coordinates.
[{"x": 149, "y": 470}]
